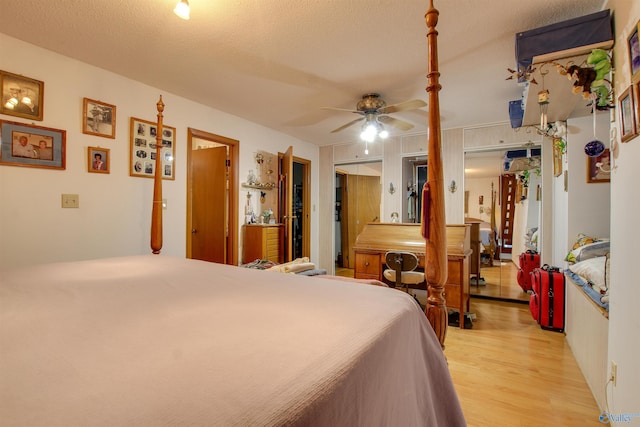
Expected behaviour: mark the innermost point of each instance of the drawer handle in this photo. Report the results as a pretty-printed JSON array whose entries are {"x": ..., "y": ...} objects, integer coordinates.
[{"x": 366, "y": 264}]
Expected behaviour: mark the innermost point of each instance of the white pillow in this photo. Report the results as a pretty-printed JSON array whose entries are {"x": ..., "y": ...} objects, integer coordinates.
[{"x": 592, "y": 270}]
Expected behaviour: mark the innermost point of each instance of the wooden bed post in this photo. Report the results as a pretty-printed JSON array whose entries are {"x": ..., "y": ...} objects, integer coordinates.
[
  {"x": 156, "y": 213},
  {"x": 433, "y": 218}
]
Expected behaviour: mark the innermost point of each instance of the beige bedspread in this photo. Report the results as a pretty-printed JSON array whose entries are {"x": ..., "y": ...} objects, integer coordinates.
[{"x": 161, "y": 341}]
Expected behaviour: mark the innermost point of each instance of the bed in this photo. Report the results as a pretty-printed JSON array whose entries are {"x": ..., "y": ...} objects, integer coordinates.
[{"x": 157, "y": 340}]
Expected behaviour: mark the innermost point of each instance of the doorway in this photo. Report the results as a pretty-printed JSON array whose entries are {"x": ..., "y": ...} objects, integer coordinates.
[
  {"x": 502, "y": 196},
  {"x": 301, "y": 227},
  {"x": 212, "y": 197},
  {"x": 358, "y": 190}
]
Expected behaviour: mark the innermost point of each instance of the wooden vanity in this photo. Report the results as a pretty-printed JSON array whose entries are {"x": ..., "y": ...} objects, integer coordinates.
[{"x": 376, "y": 239}]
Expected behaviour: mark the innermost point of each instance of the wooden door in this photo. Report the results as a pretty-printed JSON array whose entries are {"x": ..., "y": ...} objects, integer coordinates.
[
  {"x": 210, "y": 202},
  {"x": 363, "y": 207},
  {"x": 287, "y": 193}
]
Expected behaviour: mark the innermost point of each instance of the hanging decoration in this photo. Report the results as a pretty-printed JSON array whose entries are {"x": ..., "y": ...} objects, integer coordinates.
[
  {"x": 543, "y": 101},
  {"x": 595, "y": 147}
]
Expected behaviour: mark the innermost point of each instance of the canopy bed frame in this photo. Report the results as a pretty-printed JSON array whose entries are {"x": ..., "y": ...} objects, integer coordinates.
[
  {"x": 433, "y": 213},
  {"x": 150, "y": 340}
]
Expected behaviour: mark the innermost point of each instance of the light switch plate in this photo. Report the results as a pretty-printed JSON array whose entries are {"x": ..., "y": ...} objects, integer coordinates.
[{"x": 70, "y": 201}]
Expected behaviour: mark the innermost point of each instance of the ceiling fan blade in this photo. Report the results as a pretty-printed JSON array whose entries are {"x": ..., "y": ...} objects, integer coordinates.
[
  {"x": 341, "y": 109},
  {"x": 398, "y": 124},
  {"x": 403, "y": 106},
  {"x": 352, "y": 122}
]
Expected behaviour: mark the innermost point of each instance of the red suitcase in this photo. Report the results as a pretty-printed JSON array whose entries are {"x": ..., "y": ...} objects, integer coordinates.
[
  {"x": 547, "y": 301},
  {"x": 528, "y": 261}
]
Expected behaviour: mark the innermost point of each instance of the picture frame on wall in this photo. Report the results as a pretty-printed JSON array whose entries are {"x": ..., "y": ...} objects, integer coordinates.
[
  {"x": 98, "y": 160},
  {"x": 142, "y": 149},
  {"x": 33, "y": 146},
  {"x": 98, "y": 118},
  {"x": 21, "y": 96},
  {"x": 633, "y": 44},
  {"x": 626, "y": 115},
  {"x": 599, "y": 168},
  {"x": 636, "y": 100}
]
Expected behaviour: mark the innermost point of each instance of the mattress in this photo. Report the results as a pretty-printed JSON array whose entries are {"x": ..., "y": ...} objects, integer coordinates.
[{"x": 155, "y": 340}]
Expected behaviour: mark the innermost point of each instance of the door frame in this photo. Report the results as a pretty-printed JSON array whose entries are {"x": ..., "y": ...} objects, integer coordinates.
[
  {"x": 306, "y": 203},
  {"x": 232, "y": 186}
]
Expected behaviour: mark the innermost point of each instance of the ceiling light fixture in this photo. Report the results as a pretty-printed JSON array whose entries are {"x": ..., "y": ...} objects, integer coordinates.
[
  {"x": 182, "y": 9},
  {"x": 372, "y": 129}
]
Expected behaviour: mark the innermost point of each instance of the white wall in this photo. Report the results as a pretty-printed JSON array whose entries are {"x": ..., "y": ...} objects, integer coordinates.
[
  {"x": 589, "y": 211},
  {"x": 114, "y": 214},
  {"x": 624, "y": 322}
]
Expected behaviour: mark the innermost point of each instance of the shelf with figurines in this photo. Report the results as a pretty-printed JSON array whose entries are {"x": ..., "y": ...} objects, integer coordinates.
[{"x": 264, "y": 166}]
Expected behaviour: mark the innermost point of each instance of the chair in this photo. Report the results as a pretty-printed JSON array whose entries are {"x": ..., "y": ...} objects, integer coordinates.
[{"x": 400, "y": 269}]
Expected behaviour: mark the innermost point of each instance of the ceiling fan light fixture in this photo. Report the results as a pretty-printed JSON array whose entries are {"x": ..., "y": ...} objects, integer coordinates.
[
  {"x": 369, "y": 132},
  {"x": 182, "y": 9}
]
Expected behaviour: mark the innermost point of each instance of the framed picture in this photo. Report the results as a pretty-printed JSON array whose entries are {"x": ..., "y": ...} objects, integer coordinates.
[
  {"x": 142, "y": 149},
  {"x": 21, "y": 96},
  {"x": 32, "y": 146},
  {"x": 633, "y": 43},
  {"x": 98, "y": 160},
  {"x": 627, "y": 121},
  {"x": 599, "y": 168},
  {"x": 99, "y": 118},
  {"x": 557, "y": 157},
  {"x": 636, "y": 100}
]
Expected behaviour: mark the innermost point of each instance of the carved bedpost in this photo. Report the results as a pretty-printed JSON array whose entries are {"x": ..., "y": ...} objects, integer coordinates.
[
  {"x": 434, "y": 221},
  {"x": 156, "y": 213}
]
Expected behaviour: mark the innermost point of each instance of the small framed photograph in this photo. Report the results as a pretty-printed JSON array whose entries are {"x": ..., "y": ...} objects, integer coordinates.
[
  {"x": 98, "y": 160},
  {"x": 633, "y": 43},
  {"x": 599, "y": 168},
  {"x": 21, "y": 96},
  {"x": 626, "y": 110},
  {"x": 99, "y": 118},
  {"x": 142, "y": 149},
  {"x": 32, "y": 146}
]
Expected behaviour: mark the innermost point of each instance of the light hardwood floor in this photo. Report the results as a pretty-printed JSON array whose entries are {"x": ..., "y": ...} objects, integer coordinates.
[{"x": 509, "y": 372}]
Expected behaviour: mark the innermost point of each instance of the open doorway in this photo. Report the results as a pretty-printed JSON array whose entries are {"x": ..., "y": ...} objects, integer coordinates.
[
  {"x": 358, "y": 202},
  {"x": 301, "y": 229}
]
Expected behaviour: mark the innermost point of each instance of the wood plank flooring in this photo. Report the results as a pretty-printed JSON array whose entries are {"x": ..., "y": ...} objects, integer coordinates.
[{"x": 509, "y": 372}]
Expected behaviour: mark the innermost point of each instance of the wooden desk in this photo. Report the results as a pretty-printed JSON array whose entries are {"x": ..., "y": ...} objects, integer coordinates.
[{"x": 376, "y": 239}]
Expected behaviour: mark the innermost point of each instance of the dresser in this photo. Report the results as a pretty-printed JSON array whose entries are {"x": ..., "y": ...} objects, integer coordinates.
[
  {"x": 376, "y": 239},
  {"x": 262, "y": 241}
]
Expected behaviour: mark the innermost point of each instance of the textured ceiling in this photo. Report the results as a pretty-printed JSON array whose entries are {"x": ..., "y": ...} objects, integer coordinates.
[{"x": 276, "y": 62}]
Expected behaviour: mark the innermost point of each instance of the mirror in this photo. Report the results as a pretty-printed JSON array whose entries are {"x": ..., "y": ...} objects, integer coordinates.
[
  {"x": 503, "y": 203},
  {"x": 414, "y": 175},
  {"x": 358, "y": 189}
]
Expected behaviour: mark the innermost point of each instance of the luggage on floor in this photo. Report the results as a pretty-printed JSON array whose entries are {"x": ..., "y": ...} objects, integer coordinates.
[
  {"x": 528, "y": 261},
  {"x": 547, "y": 300}
]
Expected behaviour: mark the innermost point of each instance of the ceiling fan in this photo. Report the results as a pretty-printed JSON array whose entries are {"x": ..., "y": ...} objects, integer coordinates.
[{"x": 374, "y": 110}]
